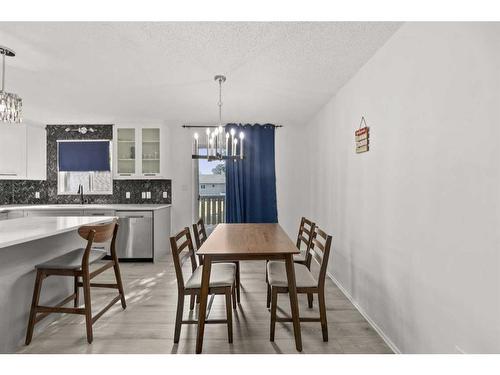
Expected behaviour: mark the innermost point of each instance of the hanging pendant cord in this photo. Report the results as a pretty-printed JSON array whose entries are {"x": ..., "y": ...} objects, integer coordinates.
[{"x": 220, "y": 102}]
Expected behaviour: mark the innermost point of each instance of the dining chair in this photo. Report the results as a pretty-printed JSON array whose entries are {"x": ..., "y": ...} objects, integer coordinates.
[
  {"x": 200, "y": 236},
  {"x": 305, "y": 280},
  {"x": 76, "y": 264},
  {"x": 222, "y": 282},
  {"x": 304, "y": 243}
]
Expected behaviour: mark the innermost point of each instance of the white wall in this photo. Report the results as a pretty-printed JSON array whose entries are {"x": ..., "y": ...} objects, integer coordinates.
[
  {"x": 292, "y": 177},
  {"x": 416, "y": 219}
]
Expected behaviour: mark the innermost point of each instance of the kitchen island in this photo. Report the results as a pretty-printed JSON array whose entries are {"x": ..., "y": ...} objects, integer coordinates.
[
  {"x": 144, "y": 228},
  {"x": 25, "y": 242}
]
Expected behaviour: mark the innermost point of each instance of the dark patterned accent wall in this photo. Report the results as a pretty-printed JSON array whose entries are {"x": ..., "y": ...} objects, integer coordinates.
[{"x": 23, "y": 191}]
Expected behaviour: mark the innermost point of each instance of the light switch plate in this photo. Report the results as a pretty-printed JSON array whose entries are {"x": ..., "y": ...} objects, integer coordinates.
[
  {"x": 127, "y": 195},
  {"x": 165, "y": 195},
  {"x": 143, "y": 195},
  {"x": 37, "y": 195}
]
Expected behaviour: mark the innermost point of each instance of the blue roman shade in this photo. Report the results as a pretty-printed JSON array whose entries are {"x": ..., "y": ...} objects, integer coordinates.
[{"x": 83, "y": 156}]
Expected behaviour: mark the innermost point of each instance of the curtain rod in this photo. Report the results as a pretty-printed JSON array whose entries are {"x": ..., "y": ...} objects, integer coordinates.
[{"x": 216, "y": 126}]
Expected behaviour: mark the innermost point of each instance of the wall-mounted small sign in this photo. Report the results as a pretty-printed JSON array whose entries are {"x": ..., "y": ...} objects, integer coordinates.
[{"x": 361, "y": 137}]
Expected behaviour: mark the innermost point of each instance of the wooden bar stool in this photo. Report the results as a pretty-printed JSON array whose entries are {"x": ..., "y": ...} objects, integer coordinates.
[
  {"x": 304, "y": 244},
  {"x": 200, "y": 236},
  {"x": 76, "y": 264},
  {"x": 305, "y": 280},
  {"x": 222, "y": 281}
]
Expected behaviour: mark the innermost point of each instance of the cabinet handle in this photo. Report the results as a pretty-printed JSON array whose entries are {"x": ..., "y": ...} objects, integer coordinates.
[
  {"x": 8, "y": 174},
  {"x": 125, "y": 174},
  {"x": 149, "y": 174}
]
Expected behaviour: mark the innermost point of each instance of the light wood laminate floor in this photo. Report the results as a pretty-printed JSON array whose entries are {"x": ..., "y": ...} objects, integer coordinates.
[{"x": 147, "y": 325}]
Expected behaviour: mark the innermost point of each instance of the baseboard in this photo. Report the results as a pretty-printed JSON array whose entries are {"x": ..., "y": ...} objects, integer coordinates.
[{"x": 388, "y": 341}]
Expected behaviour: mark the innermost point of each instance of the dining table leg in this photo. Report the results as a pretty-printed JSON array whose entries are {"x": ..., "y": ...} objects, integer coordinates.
[
  {"x": 294, "y": 305},
  {"x": 202, "y": 312}
]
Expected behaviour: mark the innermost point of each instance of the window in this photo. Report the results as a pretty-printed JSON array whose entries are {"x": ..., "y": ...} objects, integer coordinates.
[{"x": 86, "y": 163}]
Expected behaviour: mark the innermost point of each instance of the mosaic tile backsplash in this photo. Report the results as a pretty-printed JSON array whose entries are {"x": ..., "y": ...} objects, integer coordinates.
[{"x": 23, "y": 191}]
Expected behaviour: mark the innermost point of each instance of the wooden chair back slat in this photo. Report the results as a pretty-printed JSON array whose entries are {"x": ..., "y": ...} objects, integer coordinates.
[
  {"x": 184, "y": 237},
  {"x": 98, "y": 234},
  {"x": 305, "y": 236},
  {"x": 102, "y": 232},
  {"x": 200, "y": 233},
  {"x": 318, "y": 244},
  {"x": 320, "y": 251},
  {"x": 200, "y": 236}
]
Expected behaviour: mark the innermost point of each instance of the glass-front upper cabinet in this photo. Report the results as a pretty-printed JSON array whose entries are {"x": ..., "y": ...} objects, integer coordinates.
[
  {"x": 126, "y": 151},
  {"x": 150, "y": 151},
  {"x": 140, "y": 152}
]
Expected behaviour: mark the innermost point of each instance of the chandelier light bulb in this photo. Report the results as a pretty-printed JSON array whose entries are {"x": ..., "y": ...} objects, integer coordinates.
[
  {"x": 208, "y": 131},
  {"x": 227, "y": 135},
  {"x": 233, "y": 132},
  {"x": 242, "y": 135},
  {"x": 196, "y": 136}
]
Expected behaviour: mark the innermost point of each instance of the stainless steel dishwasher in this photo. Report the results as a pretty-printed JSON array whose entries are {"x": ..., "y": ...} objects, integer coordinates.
[{"x": 135, "y": 235}]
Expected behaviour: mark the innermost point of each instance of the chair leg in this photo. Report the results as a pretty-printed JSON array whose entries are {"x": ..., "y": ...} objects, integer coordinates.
[
  {"x": 118, "y": 277},
  {"x": 310, "y": 300},
  {"x": 234, "y": 296},
  {"x": 34, "y": 304},
  {"x": 268, "y": 302},
  {"x": 191, "y": 301},
  {"x": 322, "y": 314},
  {"x": 229, "y": 315},
  {"x": 238, "y": 281},
  {"x": 88, "y": 306},
  {"x": 274, "y": 305},
  {"x": 77, "y": 294},
  {"x": 178, "y": 317}
]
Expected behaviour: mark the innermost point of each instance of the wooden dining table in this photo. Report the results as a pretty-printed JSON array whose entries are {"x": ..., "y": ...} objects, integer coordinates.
[{"x": 234, "y": 242}]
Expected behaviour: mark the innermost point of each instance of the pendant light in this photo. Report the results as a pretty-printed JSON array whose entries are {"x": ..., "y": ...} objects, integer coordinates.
[
  {"x": 220, "y": 144},
  {"x": 10, "y": 104}
]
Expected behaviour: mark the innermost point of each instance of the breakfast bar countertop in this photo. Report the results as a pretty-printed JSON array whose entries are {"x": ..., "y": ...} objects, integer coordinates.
[{"x": 26, "y": 229}]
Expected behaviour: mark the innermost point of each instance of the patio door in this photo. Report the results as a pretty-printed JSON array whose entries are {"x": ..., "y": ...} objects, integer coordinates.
[{"x": 211, "y": 191}]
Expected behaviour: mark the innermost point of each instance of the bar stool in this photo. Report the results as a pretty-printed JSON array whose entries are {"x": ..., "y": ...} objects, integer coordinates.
[
  {"x": 200, "y": 236},
  {"x": 76, "y": 264}
]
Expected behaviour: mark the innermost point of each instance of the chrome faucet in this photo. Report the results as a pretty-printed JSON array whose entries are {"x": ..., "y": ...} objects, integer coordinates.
[{"x": 80, "y": 191}]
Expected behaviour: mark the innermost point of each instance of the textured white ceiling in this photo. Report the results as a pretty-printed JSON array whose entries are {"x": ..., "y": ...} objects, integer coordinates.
[{"x": 279, "y": 72}]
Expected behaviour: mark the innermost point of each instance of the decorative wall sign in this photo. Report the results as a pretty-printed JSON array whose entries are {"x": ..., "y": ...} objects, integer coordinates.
[{"x": 361, "y": 136}]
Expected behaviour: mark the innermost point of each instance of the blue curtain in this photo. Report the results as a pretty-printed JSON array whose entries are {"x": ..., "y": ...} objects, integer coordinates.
[{"x": 251, "y": 183}]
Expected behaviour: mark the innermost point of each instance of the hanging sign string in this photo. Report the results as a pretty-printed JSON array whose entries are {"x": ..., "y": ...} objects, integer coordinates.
[{"x": 363, "y": 121}]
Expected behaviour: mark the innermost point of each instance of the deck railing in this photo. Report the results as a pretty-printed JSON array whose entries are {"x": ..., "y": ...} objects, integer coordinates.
[{"x": 212, "y": 209}]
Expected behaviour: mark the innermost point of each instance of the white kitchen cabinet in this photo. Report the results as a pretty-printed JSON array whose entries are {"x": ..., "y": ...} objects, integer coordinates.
[
  {"x": 36, "y": 152},
  {"x": 140, "y": 152},
  {"x": 13, "y": 151},
  {"x": 22, "y": 152}
]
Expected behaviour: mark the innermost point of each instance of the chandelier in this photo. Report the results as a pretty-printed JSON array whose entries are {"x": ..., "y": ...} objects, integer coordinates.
[
  {"x": 10, "y": 104},
  {"x": 220, "y": 145}
]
